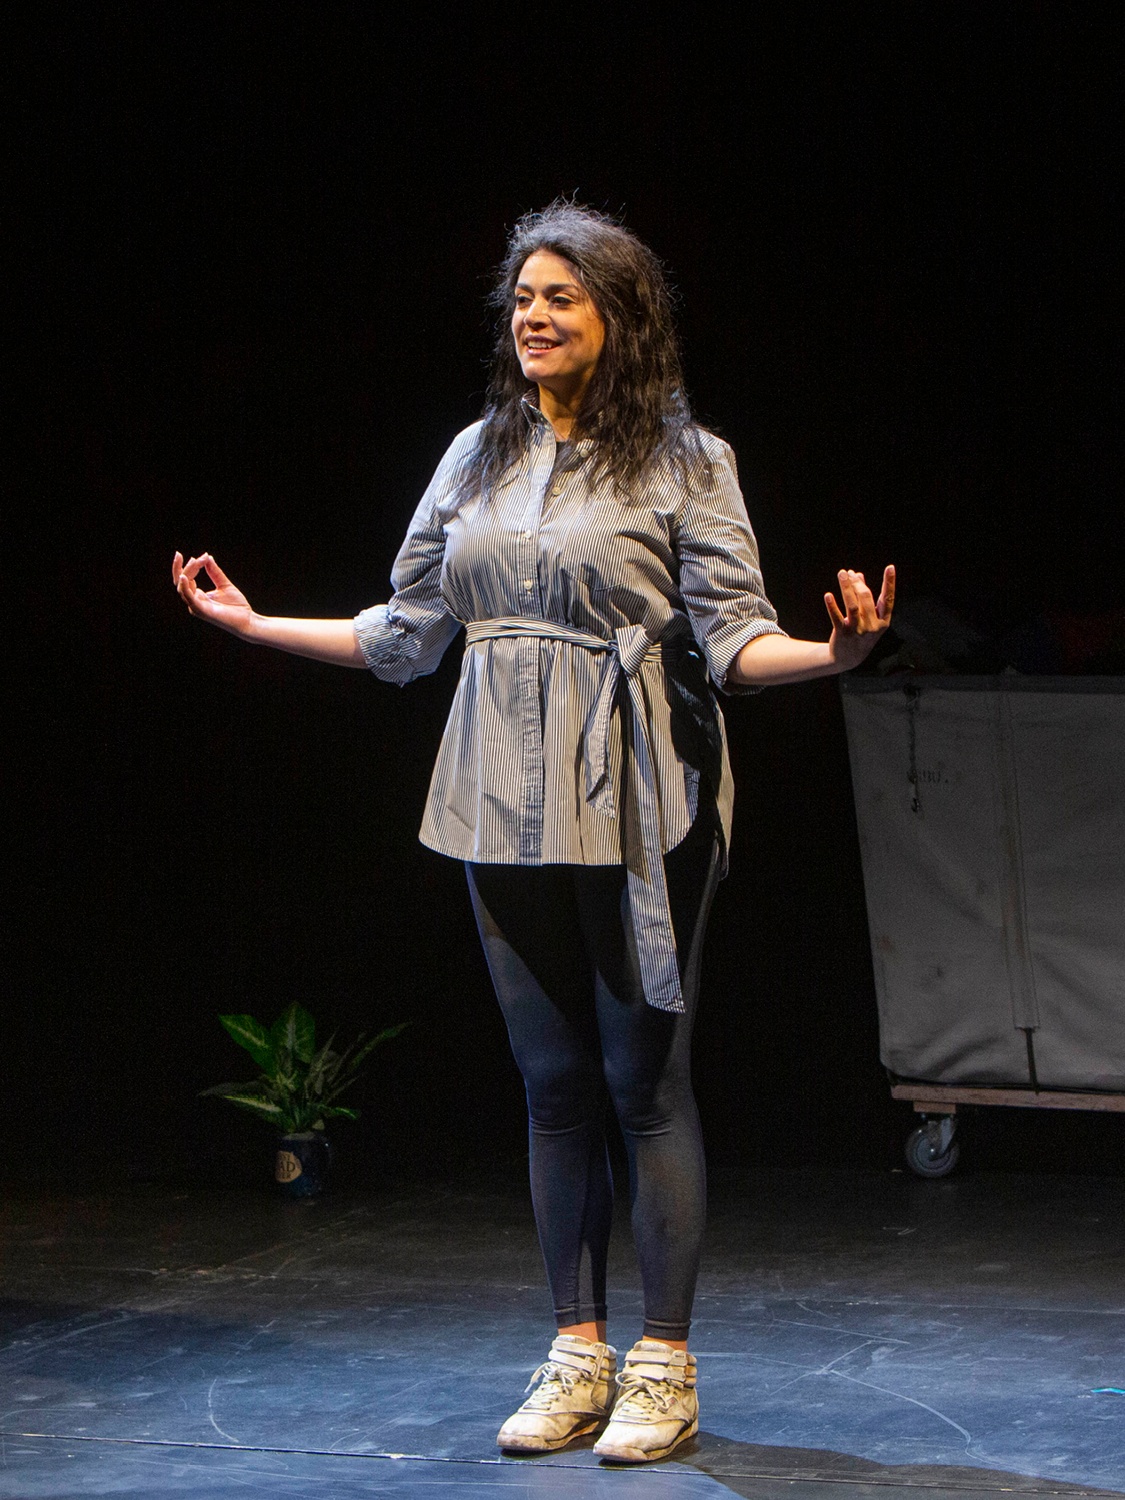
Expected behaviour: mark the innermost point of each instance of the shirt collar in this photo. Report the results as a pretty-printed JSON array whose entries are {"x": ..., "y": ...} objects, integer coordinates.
[{"x": 530, "y": 406}]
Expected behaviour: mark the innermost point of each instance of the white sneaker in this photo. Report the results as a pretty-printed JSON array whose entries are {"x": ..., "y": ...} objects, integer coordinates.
[
  {"x": 656, "y": 1407},
  {"x": 573, "y": 1392}
]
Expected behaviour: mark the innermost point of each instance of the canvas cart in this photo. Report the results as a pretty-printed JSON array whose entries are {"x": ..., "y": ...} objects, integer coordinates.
[{"x": 992, "y": 828}]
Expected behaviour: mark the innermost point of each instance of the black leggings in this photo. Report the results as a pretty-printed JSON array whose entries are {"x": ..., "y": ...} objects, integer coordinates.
[{"x": 559, "y": 945}]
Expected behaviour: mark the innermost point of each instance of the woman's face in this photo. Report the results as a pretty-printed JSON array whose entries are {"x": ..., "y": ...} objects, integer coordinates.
[{"x": 559, "y": 333}]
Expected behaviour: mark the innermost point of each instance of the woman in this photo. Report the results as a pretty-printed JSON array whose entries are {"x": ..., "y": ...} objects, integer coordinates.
[{"x": 594, "y": 543}]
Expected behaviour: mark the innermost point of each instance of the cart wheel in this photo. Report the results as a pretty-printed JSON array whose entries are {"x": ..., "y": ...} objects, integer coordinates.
[{"x": 924, "y": 1153}]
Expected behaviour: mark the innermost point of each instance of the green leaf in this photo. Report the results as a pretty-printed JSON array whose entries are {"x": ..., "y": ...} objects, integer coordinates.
[
  {"x": 305, "y": 1116},
  {"x": 285, "y": 1080},
  {"x": 295, "y": 1031},
  {"x": 223, "y": 1090},
  {"x": 253, "y": 1036},
  {"x": 337, "y": 1089},
  {"x": 384, "y": 1036},
  {"x": 351, "y": 1061},
  {"x": 340, "y": 1110},
  {"x": 323, "y": 1067},
  {"x": 260, "y": 1107}
]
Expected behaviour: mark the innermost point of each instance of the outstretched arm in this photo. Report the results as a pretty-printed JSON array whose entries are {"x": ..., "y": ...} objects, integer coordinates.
[
  {"x": 228, "y": 608},
  {"x": 772, "y": 659}
]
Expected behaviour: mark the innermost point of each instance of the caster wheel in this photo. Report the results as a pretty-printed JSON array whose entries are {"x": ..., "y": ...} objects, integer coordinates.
[{"x": 925, "y": 1156}]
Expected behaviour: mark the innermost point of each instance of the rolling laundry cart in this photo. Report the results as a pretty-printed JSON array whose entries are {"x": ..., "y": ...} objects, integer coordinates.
[{"x": 992, "y": 829}]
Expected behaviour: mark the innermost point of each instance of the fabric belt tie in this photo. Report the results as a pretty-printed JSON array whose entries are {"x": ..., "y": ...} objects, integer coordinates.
[{"x": 624, "y": 654}]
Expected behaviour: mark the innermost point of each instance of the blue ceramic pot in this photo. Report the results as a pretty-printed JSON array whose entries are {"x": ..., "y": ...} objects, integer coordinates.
[{"x": 303, "y": 1160}]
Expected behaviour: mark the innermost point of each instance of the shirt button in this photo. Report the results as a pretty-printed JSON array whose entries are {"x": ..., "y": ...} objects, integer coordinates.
[
  {"x": 527, "y": 536},
  {"x": 527, "y": 584}
]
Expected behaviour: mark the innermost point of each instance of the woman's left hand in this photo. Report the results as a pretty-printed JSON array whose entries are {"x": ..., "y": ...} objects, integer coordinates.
[{"x": 857, "y": 628}]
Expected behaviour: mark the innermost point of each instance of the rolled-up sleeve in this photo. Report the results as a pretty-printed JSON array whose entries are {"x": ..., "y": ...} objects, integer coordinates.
[
  {"x": 407, "y": 637},
  {"x": 720, "y": 578}
]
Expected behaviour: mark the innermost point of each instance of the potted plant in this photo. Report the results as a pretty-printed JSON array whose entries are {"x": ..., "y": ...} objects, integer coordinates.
[{"x": 297, "y": 1089}]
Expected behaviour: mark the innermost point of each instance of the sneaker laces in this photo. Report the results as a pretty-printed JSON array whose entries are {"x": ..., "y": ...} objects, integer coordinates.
[
  {"x": 554, "y": 1381},
  {"x": 644, "y": 1394}
]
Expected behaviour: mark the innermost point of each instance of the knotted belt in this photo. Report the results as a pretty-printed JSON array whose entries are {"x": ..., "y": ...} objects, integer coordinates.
[{"x": 624, "y": 655}]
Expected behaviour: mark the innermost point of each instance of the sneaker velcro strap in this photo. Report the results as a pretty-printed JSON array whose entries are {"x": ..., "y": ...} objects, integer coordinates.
[
  {"x": 574, "y": 1360},
  {"x": 658, "y": 1363}
]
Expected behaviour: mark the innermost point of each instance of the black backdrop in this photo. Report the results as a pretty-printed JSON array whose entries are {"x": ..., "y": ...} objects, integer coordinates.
[{"x": 254, "y": 249}]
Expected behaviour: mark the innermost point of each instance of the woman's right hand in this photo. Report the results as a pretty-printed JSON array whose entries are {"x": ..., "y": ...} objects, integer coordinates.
[
  {"x": 333, "y": 641},
  {"x": 224, "y": 605}
]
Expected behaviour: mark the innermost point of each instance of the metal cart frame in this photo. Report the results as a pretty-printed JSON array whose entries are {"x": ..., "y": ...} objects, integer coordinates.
[{"x": 932, "y": 1149}]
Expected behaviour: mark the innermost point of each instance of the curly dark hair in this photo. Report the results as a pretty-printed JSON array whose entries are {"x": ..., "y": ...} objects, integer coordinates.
[{"x": 634, "y": 408}]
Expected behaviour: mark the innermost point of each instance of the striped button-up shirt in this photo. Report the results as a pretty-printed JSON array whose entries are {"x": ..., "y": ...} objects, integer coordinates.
[{"x": 584, "y": 720}]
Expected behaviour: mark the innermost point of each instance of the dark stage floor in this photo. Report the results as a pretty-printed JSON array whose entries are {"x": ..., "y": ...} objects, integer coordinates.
[{"x": 857, "y": 1335}]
